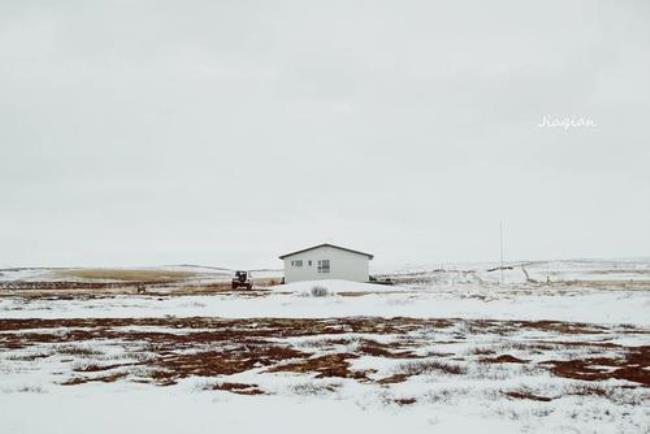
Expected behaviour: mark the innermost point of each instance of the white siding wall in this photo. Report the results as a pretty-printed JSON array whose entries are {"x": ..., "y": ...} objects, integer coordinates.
[{"x": 343, "y": 265}]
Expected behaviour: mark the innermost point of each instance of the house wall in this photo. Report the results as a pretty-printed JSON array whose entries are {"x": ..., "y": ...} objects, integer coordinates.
[{"x": 343, "y": 265}]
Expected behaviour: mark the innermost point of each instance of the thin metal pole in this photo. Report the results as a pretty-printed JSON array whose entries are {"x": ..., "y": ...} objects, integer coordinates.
[{"x": 501, "y": 243}]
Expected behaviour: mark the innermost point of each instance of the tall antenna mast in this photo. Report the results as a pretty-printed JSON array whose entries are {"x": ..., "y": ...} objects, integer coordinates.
[{"x": 501, "y": 244}]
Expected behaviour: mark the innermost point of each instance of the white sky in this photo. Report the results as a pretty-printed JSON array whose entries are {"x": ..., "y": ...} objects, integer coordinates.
[{"x": 229, "y": 132}]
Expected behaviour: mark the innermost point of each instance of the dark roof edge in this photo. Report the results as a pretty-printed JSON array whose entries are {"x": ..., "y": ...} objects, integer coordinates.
[{"x": 327, "y": 245}]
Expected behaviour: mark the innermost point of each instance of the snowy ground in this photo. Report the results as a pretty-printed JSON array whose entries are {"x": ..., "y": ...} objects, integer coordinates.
[
  {"x": 446, "y": 350},
  {"x": 351, "y": 299}
]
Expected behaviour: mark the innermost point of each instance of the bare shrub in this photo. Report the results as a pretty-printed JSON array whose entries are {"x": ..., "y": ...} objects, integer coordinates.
[
  {"x": 27, "y": 357},
  {"x": 486, "y": 371},
  {"x": 631, "y": 395},
  {"x": 313, "y": 389},
  {"x": 445, "y": 395},
  {"x": 482, "y": 351},
  {"x": 319, "y": 291},
  {"x": 31, "y": 389},
  {"x": 542, "y": 412},
  {"x": 589, "y": 390},
  {"x": 74, "y": 350},
  {"x": 428, "y": 367}
]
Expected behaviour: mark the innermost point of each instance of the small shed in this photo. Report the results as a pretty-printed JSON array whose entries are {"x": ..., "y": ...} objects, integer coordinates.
[{"x": 326, "y": 261}]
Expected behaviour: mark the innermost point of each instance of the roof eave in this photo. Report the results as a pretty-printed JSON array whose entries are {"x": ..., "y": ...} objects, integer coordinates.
[{"x": 368, "y": 255}]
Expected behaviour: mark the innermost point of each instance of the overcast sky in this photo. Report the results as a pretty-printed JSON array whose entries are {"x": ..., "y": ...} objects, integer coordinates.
[{"x": 228, "y": 132}]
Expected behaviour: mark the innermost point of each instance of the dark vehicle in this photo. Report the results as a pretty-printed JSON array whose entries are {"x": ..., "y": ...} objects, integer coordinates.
[{"x": 242, "y": 279}]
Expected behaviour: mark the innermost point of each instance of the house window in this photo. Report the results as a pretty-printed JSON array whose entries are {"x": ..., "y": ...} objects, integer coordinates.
[
  {"x": 323, "y": 265},
  {"x": 296, "y": 263},
  {"x": 309, "y": 262}
]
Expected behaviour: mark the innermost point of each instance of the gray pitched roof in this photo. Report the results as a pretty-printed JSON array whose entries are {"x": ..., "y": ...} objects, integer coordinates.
[{"x": 327, "y": 245}]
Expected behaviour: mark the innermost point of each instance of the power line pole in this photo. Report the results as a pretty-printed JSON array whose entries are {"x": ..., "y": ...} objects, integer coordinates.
[{"x": 501, "y": 244}]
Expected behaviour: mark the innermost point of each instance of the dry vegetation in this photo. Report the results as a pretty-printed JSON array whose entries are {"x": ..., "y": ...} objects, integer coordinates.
[
  {"x": 178, "y": 348},
  {"x": 138, "y": 275},
  {"x": 158, "y": 287}
]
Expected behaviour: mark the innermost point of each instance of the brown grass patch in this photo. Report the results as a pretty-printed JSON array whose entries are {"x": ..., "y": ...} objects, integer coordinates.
[
  {"x": 98, "y": 368},
  {"x": 105, "y": 379},
  {"x": 139, "y": 275},
  {"x": 213, "y": 363},
  {"x": 377, "y": 349},
  {"x": 331, "y": 365},
  {"x": 632, "y": 367},
  {"x": 405, "y": 401},
  {"x": 397, "y": 378},
  {"x": 527, "y": 395},
  {"x": 213, "y": 347},
  {"x": 239, "y": 388},
  {"x": 504, "y": 358},
  {"x": 561, "y": 327}
]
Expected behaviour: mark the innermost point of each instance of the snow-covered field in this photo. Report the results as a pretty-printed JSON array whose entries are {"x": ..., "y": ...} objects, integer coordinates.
[
  {"x": 352, "y": 299},
  {"x": 561, "y": 347}
]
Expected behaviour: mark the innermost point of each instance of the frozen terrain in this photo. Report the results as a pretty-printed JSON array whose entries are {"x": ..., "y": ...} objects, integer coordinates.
[{"x": 561, "y": 347}]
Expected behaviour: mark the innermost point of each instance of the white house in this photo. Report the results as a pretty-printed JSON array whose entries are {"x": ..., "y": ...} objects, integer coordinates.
[{"x": 326, "y": 261}]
